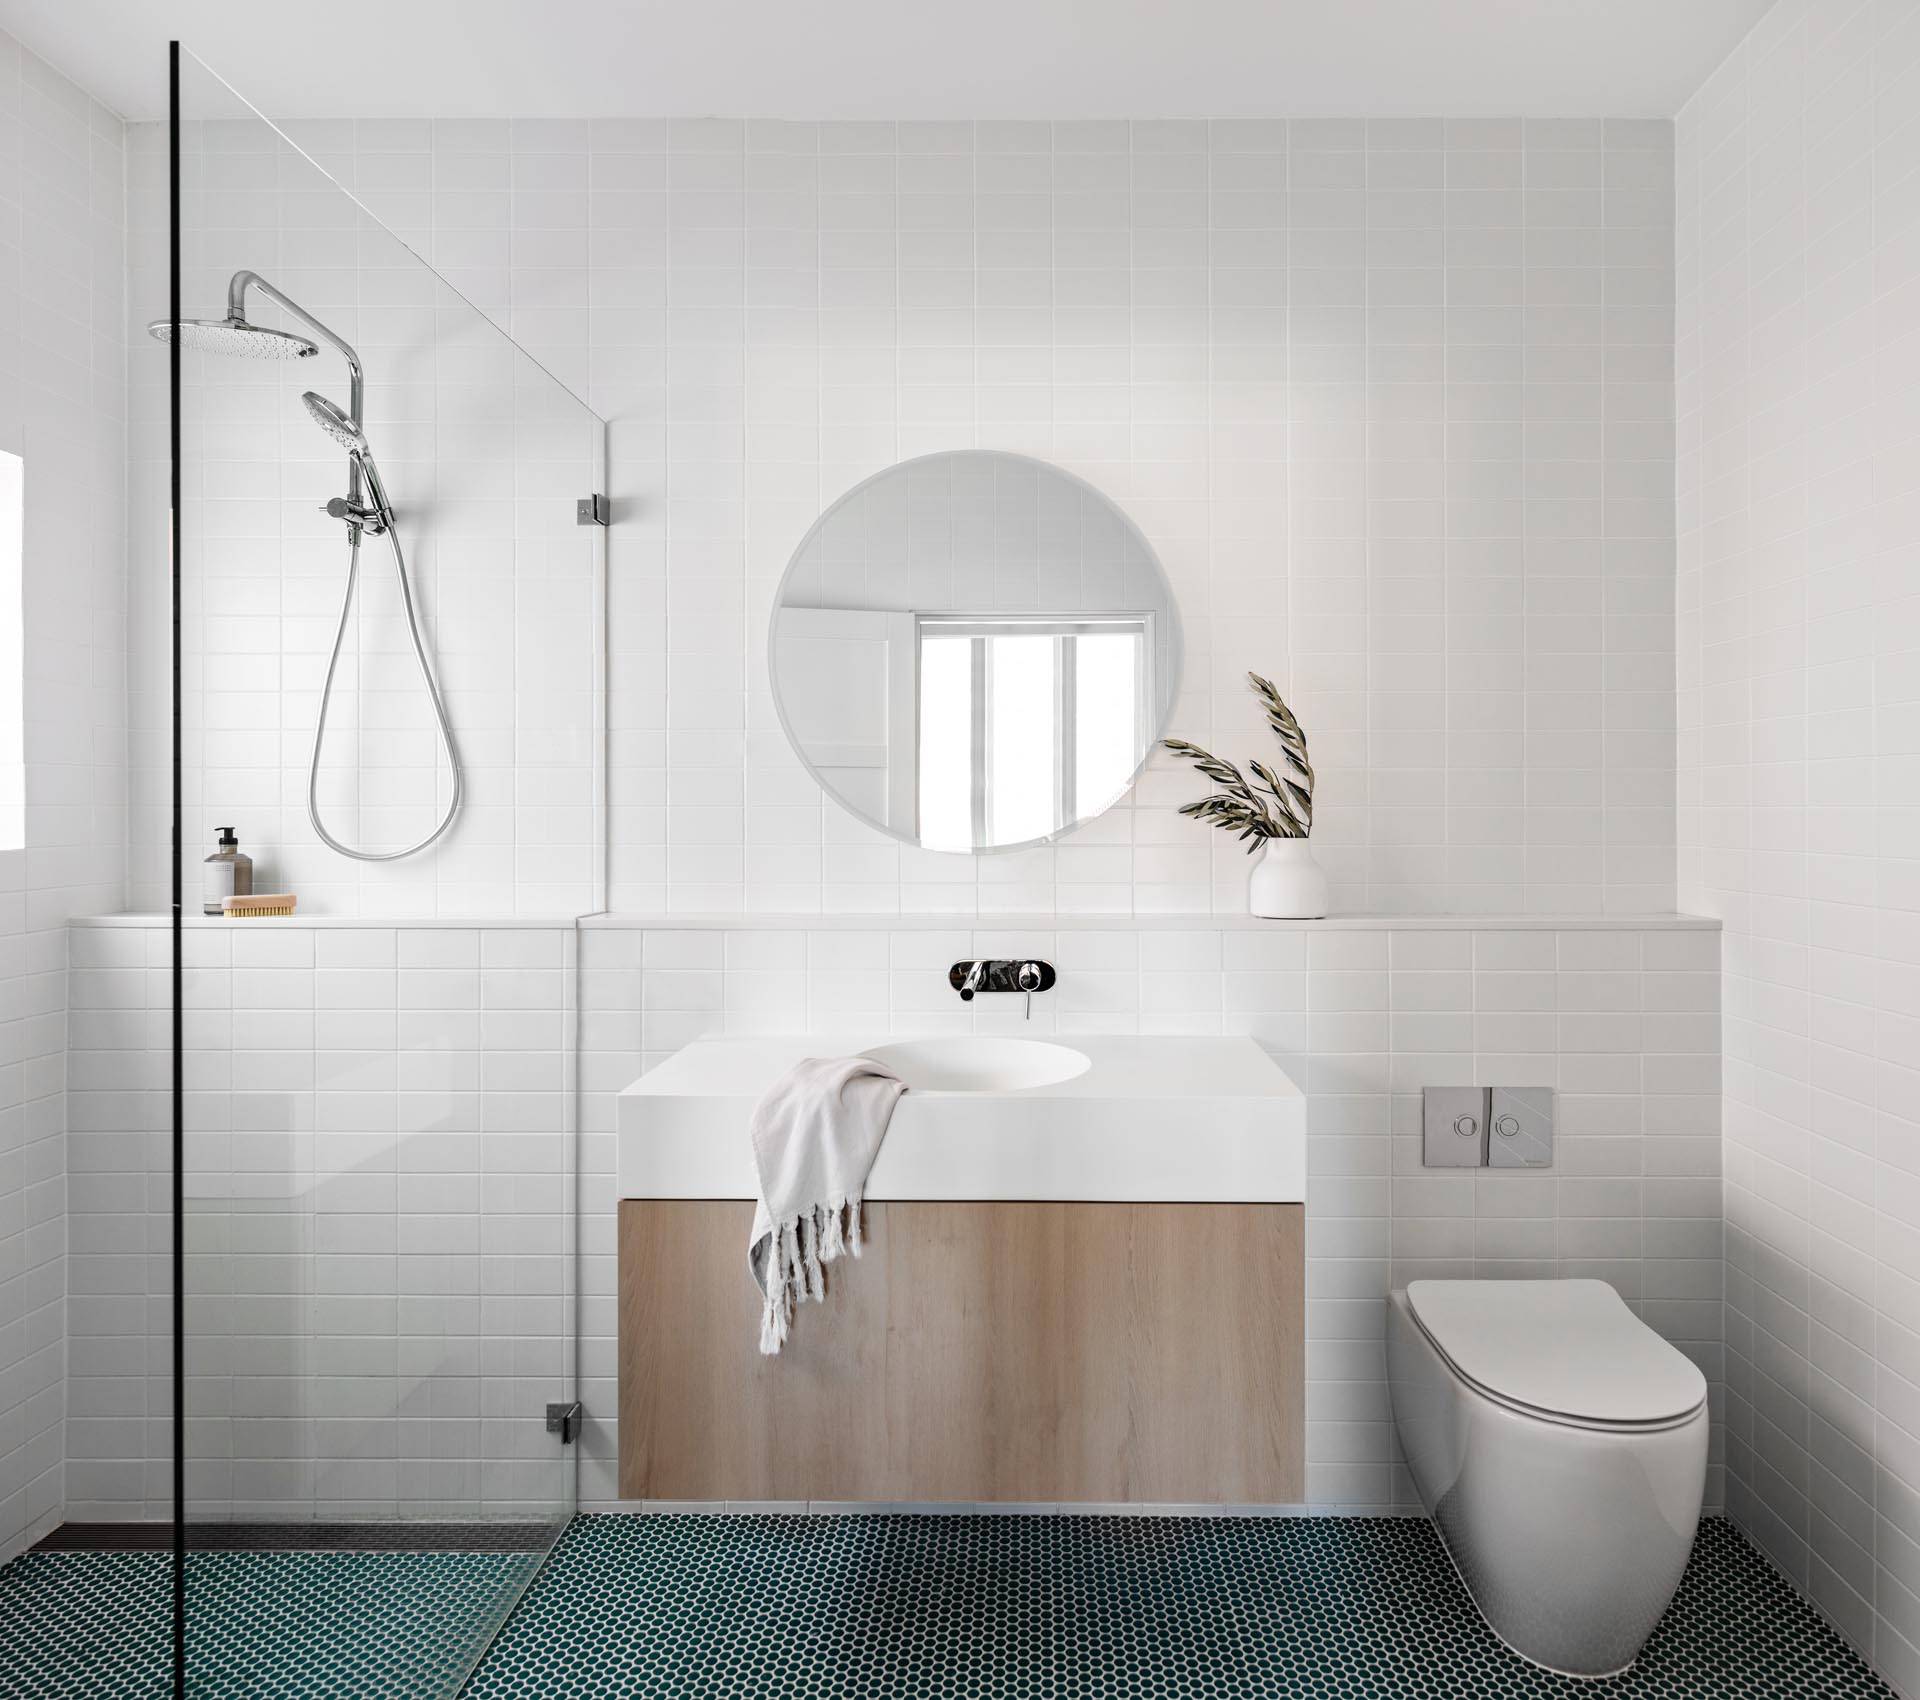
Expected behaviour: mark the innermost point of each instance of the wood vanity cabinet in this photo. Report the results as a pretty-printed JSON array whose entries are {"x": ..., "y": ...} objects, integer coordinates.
[{"x": 1025, "y": 1352}]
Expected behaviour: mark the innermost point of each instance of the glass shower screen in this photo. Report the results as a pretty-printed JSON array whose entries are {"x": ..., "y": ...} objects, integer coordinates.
[{"x": 377, "y": 1090}]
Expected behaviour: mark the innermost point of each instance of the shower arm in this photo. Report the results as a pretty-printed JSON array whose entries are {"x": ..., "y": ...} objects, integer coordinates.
[{"x": 356, "y": 394}]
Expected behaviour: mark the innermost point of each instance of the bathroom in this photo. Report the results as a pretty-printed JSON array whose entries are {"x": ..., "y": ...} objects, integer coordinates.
[{"x": 1430, "y": 1216}]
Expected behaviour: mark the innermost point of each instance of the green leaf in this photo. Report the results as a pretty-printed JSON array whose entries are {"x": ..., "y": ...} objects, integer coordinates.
[
  {"x": 1292, "y": 739},
  {"x": 1242, "y": 809}
]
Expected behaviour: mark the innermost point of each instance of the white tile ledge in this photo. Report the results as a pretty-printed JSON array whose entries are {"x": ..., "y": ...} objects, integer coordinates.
[
  {"x": 863, "y": 923},
  {"x": 258, "y": 923},
  {"x": 1152, "y": 923}
]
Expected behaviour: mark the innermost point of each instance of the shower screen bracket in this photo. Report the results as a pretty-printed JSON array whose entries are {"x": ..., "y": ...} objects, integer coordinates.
[
  {"x": 592, "y": 510},
  {"x": 565, "y": 1420}
]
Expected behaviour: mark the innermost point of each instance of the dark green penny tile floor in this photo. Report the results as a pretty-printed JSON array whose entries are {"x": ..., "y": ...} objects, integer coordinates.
[
  {"x": 874, "y": 1608},
  {"x": 1061, "y": 1607},
  {"x": 263, "y": 1625}
]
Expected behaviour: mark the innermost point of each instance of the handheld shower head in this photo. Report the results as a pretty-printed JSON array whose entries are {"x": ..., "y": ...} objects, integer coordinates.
[
  {"x": 235, "y": 336},
  {"x": 344, "y": 430}
]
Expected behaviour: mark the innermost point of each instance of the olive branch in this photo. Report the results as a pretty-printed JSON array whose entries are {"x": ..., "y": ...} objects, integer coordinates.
[{"x": 1286, "y": 808}]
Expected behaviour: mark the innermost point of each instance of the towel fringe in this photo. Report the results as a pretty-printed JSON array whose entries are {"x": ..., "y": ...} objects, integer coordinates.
[
  {"x": 833, "y": 1239},
  {"x": 801, "y": 1248},
  {"x": 809, "y": 1239}
]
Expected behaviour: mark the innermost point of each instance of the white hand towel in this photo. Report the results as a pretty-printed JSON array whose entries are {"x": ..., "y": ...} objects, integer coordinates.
[{"x": 815, "y": 1136}]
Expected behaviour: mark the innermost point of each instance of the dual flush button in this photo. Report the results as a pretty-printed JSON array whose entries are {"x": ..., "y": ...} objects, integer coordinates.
[{"x": 1487, "y": 1127}]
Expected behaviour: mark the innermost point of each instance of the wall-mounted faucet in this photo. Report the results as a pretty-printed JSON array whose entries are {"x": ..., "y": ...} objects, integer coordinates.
[{"x": 999, "y": 975}]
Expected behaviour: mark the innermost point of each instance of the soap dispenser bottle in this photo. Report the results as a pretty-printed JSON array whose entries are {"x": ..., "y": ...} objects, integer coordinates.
[{"x": 229, "y": 873}]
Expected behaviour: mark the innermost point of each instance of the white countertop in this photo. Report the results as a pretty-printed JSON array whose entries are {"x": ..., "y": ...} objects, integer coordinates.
[
  {"x": 1158, "y": 1066},
  {"x": 1152, "y": 1119}
]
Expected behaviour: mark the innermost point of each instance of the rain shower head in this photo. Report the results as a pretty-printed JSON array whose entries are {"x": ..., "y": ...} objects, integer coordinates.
[
  {"x": 337, "y": 425},
  {"x": 233, "y": 335}
]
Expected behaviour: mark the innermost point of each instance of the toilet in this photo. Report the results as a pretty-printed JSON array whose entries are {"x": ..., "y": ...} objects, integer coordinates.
[{"x": 1560, "y": 1447}]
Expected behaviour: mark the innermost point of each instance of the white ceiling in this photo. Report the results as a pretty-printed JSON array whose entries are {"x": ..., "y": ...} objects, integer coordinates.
[{"x": 900, "y": 58}]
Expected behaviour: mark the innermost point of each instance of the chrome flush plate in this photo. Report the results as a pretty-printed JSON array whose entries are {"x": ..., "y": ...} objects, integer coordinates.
[
  {"x": 1453, "y": 1127},
  {"x": 1520, "y": 1128}
]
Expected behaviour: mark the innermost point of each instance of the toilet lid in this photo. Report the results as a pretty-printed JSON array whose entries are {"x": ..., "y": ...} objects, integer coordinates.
[{"x": 1565, "y": 1348}]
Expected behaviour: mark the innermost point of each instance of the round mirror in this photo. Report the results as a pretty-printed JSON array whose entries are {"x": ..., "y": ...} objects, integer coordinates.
[{"x": 974, "y": 651}]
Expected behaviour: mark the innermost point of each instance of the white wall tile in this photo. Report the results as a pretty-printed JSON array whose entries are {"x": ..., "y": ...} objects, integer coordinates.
[
  {"x": 432, "y": 1162},
  {"x": 1603, "y": 1212},
  {"x": 1795, "y": 607},
  {"x": 379, "y": 1217},
  {"x": 63, "y": 840},
  {"x": 484, "y": 455},
  {"x": 1391, "y": 401}
]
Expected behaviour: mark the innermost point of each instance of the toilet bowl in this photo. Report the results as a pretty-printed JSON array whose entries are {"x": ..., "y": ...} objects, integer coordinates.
[{"x": 1560, "y": 1447}]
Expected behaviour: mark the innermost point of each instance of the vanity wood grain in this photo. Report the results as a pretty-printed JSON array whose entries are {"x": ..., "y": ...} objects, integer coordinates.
[{"x": 1143, "y": 1353}]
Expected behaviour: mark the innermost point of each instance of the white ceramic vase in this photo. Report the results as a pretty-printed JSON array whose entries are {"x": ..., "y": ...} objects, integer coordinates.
[{"x": 1287, "y": 884}]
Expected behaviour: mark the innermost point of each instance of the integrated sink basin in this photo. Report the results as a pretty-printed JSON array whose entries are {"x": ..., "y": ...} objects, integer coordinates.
[
  {"x": 979, "y": 1063},
  {"x": 1139, "y": 1119}
]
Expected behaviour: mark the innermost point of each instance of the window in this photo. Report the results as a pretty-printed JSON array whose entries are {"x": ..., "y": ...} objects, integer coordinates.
[
  {"x": 1027, "y": 725},
  {"x": 13, "y": 704}
]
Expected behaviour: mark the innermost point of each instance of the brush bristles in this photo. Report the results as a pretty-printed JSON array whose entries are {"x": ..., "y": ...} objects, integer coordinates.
[{"x": 280, "y": 903}]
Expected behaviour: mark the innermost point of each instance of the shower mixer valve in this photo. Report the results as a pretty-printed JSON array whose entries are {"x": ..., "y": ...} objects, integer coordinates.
[{"x": 357, "y": 515}]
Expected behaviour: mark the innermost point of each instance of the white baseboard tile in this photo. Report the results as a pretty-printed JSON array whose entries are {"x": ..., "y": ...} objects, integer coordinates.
[
  {"x": 1268, "y": 1511},
  {"x": 1097, "y": 1508},
  {"x": 976, "y": 1508}
]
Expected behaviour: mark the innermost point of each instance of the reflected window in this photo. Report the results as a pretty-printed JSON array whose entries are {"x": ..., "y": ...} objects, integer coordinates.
[{"x": 1026, "y": 724}]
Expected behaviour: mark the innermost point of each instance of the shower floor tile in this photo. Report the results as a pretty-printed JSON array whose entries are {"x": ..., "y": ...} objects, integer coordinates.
[
  {"x": 96, "y": 1625},
  {"x": 877, "y": 1607}
]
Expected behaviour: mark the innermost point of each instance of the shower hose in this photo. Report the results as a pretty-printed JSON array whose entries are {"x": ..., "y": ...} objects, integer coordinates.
[{"x": 392, "y": 535}]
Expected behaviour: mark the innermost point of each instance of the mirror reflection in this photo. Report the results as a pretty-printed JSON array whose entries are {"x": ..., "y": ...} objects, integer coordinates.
[{"x": 974, "y": 651}]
